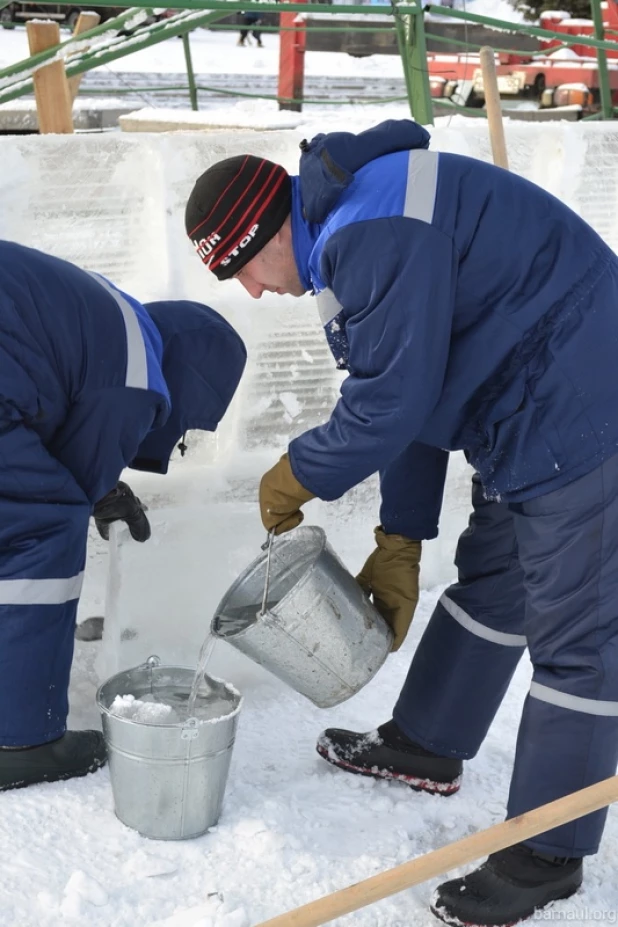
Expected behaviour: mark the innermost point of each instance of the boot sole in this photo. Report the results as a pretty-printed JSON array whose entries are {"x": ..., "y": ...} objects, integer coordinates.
[
  {"x": 415, "y": 783},
  {"x": 454, "y": 921},
  {"x": 61, "y": 777}
]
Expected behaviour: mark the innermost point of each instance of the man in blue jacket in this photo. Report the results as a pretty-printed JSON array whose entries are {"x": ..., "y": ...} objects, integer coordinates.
[
  {"x": 91, "y": 382},
  {"x": 473, "y": 311}
]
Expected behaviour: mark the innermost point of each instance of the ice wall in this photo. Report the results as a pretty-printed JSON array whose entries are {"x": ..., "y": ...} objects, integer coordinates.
[{"x": 114, "y": 203}]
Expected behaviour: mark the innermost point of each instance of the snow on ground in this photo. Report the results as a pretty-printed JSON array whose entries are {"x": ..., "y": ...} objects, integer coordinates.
[{"x": 292, "y": 828}]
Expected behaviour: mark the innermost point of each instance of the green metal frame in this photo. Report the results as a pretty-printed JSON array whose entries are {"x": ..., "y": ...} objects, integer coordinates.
[
  {"x": 411, "y": 40},
  {"x": 190, "y": 73},
  {"x": 117, "y": 47},
  {"x": 607, "y": 107},
  {"x": 407, "y": 18},
  {"x": 35, "y": 61},
  {"x": 193, "y": 14},
  {"x": 265, "y": 6}
]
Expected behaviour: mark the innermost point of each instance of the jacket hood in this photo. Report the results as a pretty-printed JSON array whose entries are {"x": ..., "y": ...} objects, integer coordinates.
[
  {"x": 203, "y": 361},
  {"x": 328, "y": 162}
]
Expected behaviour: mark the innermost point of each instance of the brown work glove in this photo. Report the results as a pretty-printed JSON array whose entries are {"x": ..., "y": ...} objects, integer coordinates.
[
  {"x": 281, "y": 496},
  {"x": 390, "y": 575}
]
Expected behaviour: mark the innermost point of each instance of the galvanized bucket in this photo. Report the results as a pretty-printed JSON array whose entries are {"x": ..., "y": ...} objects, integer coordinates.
[
  {"x": 299, "y": 613},
  {"x": 168, "y": 780}
]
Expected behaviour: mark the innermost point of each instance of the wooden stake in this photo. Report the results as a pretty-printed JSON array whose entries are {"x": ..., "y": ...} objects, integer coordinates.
[
  {"x": 459, "y": 853},
  {"x": 51, "y": 89},
  {"x": 493, "y": 107},
  {"x": 84, "y": 22}
]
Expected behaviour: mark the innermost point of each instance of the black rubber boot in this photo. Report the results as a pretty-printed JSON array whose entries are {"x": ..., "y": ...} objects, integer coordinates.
[
  {"x": 75, "y": 754},
  {"x": 387, "y": 753},
  {"x": 509, "y": 887}
]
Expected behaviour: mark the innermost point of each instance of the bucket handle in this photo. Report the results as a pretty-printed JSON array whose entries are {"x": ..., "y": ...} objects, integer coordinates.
[{"x": 268, "y": 546}]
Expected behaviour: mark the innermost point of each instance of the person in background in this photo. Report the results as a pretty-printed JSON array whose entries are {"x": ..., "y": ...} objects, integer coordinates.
[
  {"x": 91, "y": 382},
  {"x": 471, "y": 310},
  {"x": 250, "y": 21}
]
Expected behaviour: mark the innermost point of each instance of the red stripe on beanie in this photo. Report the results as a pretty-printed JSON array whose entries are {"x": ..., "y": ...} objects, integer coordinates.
[
  {"x": 222, "y": 194},
  {"x": 254, "y": 219},
  {"x": 223, "y": 244}
]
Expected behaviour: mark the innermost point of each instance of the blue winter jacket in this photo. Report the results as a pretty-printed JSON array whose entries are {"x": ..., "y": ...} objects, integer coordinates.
[
  {"x": 471, "y": 309},
  {"x": 90, "y": 381},
  {"x": 95, "y": 381}
]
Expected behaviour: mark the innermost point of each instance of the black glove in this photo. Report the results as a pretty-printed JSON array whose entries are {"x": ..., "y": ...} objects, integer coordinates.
[{"x": 121, "y": 504}]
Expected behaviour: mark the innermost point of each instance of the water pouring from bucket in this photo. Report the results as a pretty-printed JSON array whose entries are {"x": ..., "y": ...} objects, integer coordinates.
[
  {"x": 204, "y": 687},
  {"x": 298, "y": 612}
]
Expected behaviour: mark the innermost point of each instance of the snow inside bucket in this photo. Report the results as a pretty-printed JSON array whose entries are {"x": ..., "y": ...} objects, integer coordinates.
[{"x": 168, "y": 770}]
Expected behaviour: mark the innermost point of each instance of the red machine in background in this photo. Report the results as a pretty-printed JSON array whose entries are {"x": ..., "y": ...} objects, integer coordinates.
[
  {"x": 563, "y": 76},
  {"x": 559, "y": 21}
]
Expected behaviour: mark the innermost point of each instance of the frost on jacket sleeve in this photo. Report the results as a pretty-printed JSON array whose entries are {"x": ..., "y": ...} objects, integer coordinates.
[
  {"x": 394, "y": 280},
  {"x": 412, "y": 488}
]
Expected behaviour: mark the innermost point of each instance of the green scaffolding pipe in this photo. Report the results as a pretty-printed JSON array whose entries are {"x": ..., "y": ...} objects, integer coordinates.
[
  {"x": 235, "y": 6},
  {"x": 190, "y": 73},
  {"x": 96, "y": 58},
  {"x": 415, "y": 38},
  {"x": 468, "y": 110},
  {"x": 607, "y": 107},
  {"x": 154, "y": 34},
  {"x": 411, "y": 43},
  {"x": 597, "y": 116},
  {"x": 405, "y": 62},
  {"x": 520, "y": 27},
  {"x": 511, "y": 51},
  {"x": 231, "y": 27},
  {"x": 259, "y": 96},
  {"x": 36, "y": 61},
  {"x": 523, "y": 52},
  {"x": 542, "y": 52}
]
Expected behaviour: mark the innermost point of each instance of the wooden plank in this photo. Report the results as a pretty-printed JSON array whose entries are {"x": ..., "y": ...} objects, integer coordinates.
[
  {"x": 437, "y": 862},
  {"x": 493, "y": 107},
  {"x": 51, "y": 88}
]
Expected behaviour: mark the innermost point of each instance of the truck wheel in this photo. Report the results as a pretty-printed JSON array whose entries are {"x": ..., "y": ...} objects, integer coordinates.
[{"x": 538, "y": 87}]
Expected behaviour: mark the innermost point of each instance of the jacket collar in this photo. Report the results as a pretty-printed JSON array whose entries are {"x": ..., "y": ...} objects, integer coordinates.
[{"x": 304, "y": 236}]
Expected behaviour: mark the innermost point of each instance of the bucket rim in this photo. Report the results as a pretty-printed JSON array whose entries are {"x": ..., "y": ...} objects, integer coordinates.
[
  {"x": 178, "y": 725},
  {"x": 315, "y": 531}
]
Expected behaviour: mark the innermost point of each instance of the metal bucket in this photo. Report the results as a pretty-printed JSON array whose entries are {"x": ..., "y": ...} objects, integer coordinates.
[
  {"x": 315, "y": 629},
  {"x": 168, "y": 780}
]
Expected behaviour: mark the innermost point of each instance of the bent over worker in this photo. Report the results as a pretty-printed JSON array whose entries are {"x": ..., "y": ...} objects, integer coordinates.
[{"x": 91, "y": 381}]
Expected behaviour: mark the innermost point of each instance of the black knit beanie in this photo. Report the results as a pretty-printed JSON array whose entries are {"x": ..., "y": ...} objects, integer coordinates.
[{"x": 234, "y": 209}]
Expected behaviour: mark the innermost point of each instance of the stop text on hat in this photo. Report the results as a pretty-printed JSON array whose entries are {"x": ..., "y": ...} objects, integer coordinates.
[{"x": 206, "y": 246}]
